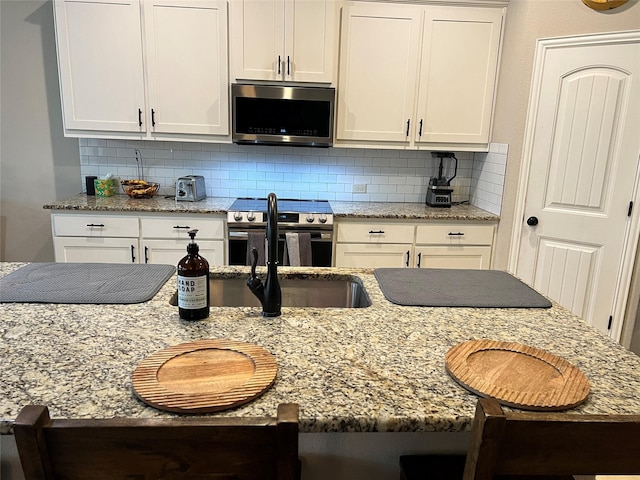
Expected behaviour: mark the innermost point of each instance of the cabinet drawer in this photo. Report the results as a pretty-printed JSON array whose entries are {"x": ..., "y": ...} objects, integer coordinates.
[
  {"x": 95, "y": 226},
  {"x": 454, "y": 234},
  {"x": 375, "y": 233},
  {"x": 177, "y": 227}
]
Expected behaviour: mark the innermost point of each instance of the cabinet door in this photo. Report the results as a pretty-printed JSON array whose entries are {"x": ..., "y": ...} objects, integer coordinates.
[
  {"x": 453, "y": 257},
  {"x": 186, "y": 50},
  {"x": 310, "y": 38},
  {"x": 100, "y": 64},
  {"x": 460, "y": 48},
  {"x": 96, "y": 250},
  {"x": 372, "y": 255},
  {"x": 171, "y": 251},
  {"x": 257, "y": 39},
  {"x": 378, "y": 68}
]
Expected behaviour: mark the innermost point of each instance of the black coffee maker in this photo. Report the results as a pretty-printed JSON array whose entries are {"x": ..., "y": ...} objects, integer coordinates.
[{"x": 439, "y": 189}]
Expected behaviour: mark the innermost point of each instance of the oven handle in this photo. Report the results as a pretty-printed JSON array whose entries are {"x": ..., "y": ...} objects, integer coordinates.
[{"x": 315, "y": 236}]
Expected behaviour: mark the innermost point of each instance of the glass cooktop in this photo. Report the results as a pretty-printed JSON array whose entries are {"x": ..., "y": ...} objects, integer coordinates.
[{"x": 284, "y": 205}]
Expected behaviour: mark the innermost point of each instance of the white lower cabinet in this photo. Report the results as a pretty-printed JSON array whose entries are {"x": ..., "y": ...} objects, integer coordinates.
[
  {"x": 373, "y": 244},
  {"x": 477, "y": 258},
  {"x": 95, "y": 238},
  {"x": 433, "y": 244},
  {"x": 164, "y": 239},
  {"x": 454, "y": 245},
  {"x": 377, "y": 255},
  {"x": 96, "y": 249},
  {"x": 135, "y": 239}
]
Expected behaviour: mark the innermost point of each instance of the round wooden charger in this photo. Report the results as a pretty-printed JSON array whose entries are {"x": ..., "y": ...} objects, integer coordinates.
[
  {"x": 204, "y": 376},
  {"x": 517, "y": 375}
]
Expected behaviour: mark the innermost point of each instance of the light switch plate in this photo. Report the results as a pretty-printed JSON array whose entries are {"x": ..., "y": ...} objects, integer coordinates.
[{"x": 359, "y": 188}]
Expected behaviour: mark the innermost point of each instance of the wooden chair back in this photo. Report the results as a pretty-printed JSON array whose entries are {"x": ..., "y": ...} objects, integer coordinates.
[
  {"x": 550, "y": 444},
  {"x": 171, "y": 448}
]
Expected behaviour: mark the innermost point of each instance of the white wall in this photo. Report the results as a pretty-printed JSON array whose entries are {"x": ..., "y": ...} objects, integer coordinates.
[{"x": 37, "y": 164}]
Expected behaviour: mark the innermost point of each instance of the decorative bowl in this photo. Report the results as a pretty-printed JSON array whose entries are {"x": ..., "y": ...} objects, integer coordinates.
[{"x": 139, "y": 188}]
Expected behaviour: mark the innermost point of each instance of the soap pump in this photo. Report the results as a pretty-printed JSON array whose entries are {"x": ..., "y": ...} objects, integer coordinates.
[{"x": 193, "y": 283}]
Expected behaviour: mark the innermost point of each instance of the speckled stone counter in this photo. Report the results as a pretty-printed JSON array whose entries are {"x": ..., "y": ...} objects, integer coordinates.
[
  {"x": 375, "y": 369},
  {"x": 122, "y": 203}
]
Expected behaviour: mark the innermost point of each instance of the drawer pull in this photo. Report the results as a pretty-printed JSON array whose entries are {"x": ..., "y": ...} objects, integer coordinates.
[
  {"x": 455, "y": 234},
  {"x": 178, "y": 226},
  {"x": 101, "y": 225},
  {"x": 376, "y": 232}
]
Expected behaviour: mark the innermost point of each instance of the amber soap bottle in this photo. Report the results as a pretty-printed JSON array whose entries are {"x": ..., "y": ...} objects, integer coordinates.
[{"x": 193, "y": 283}]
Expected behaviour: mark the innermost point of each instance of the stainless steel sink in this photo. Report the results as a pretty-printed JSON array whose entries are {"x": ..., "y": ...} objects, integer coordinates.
[{"x": 332, "y": 292}]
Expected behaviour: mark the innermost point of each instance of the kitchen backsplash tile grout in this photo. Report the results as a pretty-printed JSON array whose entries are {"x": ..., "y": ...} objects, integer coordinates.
[{"x": 234, "y": 170}]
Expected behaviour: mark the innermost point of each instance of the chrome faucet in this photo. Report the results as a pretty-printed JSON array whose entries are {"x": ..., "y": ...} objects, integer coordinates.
[{"x": 269, "y": 294}]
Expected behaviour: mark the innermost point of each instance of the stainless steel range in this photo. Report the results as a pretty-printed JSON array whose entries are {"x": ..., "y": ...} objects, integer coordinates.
[{"x": 248, "y": 215}]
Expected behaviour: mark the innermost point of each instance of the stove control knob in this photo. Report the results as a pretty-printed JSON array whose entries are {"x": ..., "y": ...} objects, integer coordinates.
[
  {"x": 323, "y": 218},
  {"x": 310, "y": 217},
  {"x": 251, "y": 216},
  {"x": 237, "y": 216}
]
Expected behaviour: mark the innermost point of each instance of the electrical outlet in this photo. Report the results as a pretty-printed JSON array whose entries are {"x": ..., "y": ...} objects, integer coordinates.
[{"x": 359, "y": 188}]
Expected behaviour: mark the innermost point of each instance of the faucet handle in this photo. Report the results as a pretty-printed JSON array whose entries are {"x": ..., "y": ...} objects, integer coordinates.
[{"x": 253, "y": 282}]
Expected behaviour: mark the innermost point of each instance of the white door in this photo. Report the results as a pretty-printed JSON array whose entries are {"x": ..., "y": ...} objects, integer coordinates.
[
  {"x": 186, "y": 48},
  {"x": 583, "y": 144}
]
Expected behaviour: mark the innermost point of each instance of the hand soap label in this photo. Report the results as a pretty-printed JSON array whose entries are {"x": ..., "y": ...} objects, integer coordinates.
[{"x": 192, "y": 292}]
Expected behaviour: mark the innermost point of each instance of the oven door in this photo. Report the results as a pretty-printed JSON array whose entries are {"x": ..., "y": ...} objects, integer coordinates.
[{"x": 321, "y": 245}]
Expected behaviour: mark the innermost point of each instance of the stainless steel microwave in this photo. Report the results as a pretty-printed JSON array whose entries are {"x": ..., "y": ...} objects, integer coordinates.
[{"x": 282, "y": 115}]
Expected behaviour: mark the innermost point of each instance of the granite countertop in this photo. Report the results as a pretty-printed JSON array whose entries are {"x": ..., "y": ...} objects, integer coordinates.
[
  {"x": 376, "y": 369},
  {"x": 220, "y": 205}
]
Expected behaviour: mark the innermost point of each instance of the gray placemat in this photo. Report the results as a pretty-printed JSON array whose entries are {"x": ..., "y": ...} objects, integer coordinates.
[
  {"x": 436, "y": 287},
  {"x": 93, "y": 283}
]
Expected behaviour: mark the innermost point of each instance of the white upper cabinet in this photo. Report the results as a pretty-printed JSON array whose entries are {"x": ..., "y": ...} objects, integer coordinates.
[
  {"x": 155, "y": 69},
  {"x": 378, "y": 67},
  {"x": 100, "y": 64},
  {"x": 417, "y": 76},
  {"x": 458, "y": 73},
  {"x": 186, "y": 47},
  {"x": 283, "y": 40}
]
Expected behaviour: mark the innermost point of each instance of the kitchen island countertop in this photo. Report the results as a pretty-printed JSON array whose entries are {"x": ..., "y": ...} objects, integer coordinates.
[
  {"x": 375, "y": 369},
  {"x": 220, "y": 205}
]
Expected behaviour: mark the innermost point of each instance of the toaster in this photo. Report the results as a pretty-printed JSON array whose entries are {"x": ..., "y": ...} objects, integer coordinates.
[{"x": 190, "y": 188}]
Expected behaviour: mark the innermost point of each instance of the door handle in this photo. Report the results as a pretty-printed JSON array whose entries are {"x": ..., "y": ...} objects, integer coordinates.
[
  {"x": 139, "y": 117},
  {"x": 408, "y": 257},
  {"x": 532, "y": 221},
  {"x": 153, "y": 117},
  {"x": 146, "y": 254},
  {"x": 419, "y": 259},
  {"x": 133, "y": 254}
]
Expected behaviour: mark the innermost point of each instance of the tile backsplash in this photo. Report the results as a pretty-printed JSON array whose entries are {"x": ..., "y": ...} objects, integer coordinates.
[{"x": 339, "y": 174}]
